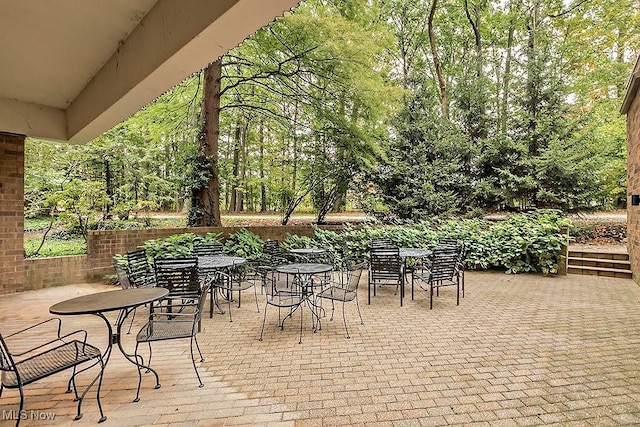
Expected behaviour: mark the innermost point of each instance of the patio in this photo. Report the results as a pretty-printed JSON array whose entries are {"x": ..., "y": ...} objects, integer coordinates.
[{"x": 519, "y": 350}]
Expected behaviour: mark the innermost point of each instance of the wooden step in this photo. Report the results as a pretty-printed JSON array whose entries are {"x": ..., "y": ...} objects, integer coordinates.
[{"x": 599, "y": 271}]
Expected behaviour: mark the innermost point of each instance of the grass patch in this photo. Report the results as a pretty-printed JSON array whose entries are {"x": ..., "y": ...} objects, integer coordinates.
[
  {"x": 40, "y": 223},
  {"x": 55, "y": 247}
]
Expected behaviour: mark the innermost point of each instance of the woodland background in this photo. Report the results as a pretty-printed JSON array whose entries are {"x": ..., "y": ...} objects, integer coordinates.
[{"x": 404, "y": 108}]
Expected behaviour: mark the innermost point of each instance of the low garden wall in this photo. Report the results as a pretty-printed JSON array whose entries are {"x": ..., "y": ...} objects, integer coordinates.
[
  {"x": 102, "y": 245},
  {"x": 55, "y": 271}
]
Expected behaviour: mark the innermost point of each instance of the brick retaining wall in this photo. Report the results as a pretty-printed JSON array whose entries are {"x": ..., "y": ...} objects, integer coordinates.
[
  {"x": 56, "y": 271},
  {"x": 102, "y": 245}
]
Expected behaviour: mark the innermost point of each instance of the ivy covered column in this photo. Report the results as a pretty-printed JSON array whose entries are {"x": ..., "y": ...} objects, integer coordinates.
[{"x": 12, "y": 273}]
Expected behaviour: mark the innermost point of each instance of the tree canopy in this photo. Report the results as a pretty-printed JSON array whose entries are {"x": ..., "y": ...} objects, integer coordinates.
[{"x": 414, "y": 107}]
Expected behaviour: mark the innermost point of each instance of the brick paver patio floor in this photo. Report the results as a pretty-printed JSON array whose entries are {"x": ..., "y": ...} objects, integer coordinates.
[{"x": 520, "y": 350}]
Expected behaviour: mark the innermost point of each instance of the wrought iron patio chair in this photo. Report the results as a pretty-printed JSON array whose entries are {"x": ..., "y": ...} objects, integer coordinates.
[
  {"x": 139, "y": 271},
  {"x": 208, "y": 249},
  {"x": 442, "y": 272},
  {"x": 180, "y": 277},
  {"x": 271, "y": 257},
  {"x": 183, "y": 324},
  {"x": 385, "y": 268},
  {"x": 238, "y": 279},
  {"x": 381, "y": 242},
  {"x": 345, "y": 289},
  {"x": 282, "y": 294},
  {"x": 22, "y": 364},
  {"x": 461, "y": 265},
  {"x": 447, "y": 241}
]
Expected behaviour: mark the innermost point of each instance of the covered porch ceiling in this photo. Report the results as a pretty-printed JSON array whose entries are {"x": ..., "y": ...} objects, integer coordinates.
[{"x": 72, "y": 69}]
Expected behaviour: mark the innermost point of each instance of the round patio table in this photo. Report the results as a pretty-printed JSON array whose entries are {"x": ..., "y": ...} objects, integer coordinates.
[
  {"x": 303, "y": 276},
  {"x": 303, "y": 273},
  {"x": 209, "y": 265},
  {"x": 414, "y": 253},
  {"x": 125, "y": 300}
]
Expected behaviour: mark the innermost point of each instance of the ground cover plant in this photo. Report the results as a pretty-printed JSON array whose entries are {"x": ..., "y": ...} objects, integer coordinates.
[{"x": 523, "y": 243}]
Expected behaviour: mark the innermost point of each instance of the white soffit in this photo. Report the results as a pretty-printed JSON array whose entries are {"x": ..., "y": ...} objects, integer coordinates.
[{"x": 72, "y": 69}]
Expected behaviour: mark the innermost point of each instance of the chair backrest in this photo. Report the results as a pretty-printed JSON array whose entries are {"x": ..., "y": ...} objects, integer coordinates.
[
  {"x": 447, "y": 241},
  {"x": 385, "y": 263},
  {"x": 381, "y": 242},
  {"x": 209, "y": 249},
  {"x": 138, "y": 269},
  {"x": 443, "y": 265},
  {"x": 123, "y": 278},
  {"x": 354, "y": 268},
  {"x": 179, "y": 276},
  {"x": 462, "y": 255},
  {"x": 271, "y": 247}
]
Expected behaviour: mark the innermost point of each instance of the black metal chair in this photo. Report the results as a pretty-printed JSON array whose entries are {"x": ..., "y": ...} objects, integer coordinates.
[
  {"x": 239, "y": 278},
  {"x": 56, "y": 353},
  {"x": 139, "y": 271},
  {"x": 171, "y": 325},
  {"x": 461, "y": 265},
  {"x": 345, "y": 289},
  {"x": 282, "y": 294},
  {"x": 385, "y": 268},
  {"x": 208, "y": 249},
  {"x": 271, "y": 257},
  {"x": 447, "y": 241},
  {"x": 442, "y": 272},
  {"x": 180, "y": 277},
  {"x": 381, "y": 242}
]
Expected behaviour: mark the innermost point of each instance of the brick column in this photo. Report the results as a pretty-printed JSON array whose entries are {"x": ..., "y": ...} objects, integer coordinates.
[
  {"x": 12, "y": 272},
  {"x": 633, "y": 185}
]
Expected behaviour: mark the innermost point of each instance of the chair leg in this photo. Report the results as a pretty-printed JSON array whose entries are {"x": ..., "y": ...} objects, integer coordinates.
[
  {"x": 193, "y": 360},
  {"x": 255, "y": 293},
  {"x": 21, "y": 406},
  {"x": 136, "y": 355},
  {"x": 359, "y": 314},
  {"x": 86, "y": 390},
  {"x": 344, "y": 320},
  {"x": 431, "y": 296},
  {"x": 458, "y": 292},
  {"x": 133, "y": 316},
  {"x": 301, "y": 310},
  {"x": 72, "y": 381},
  {"x": 264, "y": 319}
]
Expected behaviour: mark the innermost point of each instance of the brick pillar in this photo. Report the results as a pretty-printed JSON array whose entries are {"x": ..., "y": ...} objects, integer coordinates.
[
  {"x": 12, "y": 271},
  {"x": 633, "y": 185}
]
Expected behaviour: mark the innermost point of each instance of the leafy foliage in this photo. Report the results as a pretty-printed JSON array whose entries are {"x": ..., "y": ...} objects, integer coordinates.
[
  {"x": 178, "y": 245},
  {"x": 244, "y": 243}
]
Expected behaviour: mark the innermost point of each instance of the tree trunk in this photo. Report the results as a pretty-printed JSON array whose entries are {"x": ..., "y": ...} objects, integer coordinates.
[
  {"x": 108, "y": 181},
  {"x": 233, "y": 205},
  {"x": 263, "y": 187},
  {"x": 206, "y": 200},
  {"x": 507, "y": 79},
  {"x": 444, "y": 99}
]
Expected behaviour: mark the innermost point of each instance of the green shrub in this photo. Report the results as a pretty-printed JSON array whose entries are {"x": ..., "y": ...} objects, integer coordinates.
[
  {"x": 522, "y": 243},
  {"x": 243, "y": 243},
  {"x": 178, "y": 245}
]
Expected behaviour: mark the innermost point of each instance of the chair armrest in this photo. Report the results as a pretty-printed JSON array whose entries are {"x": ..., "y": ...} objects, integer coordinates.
[
  {"x": 59, "y": 338},
  {"x": 53, "y": 319}
]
